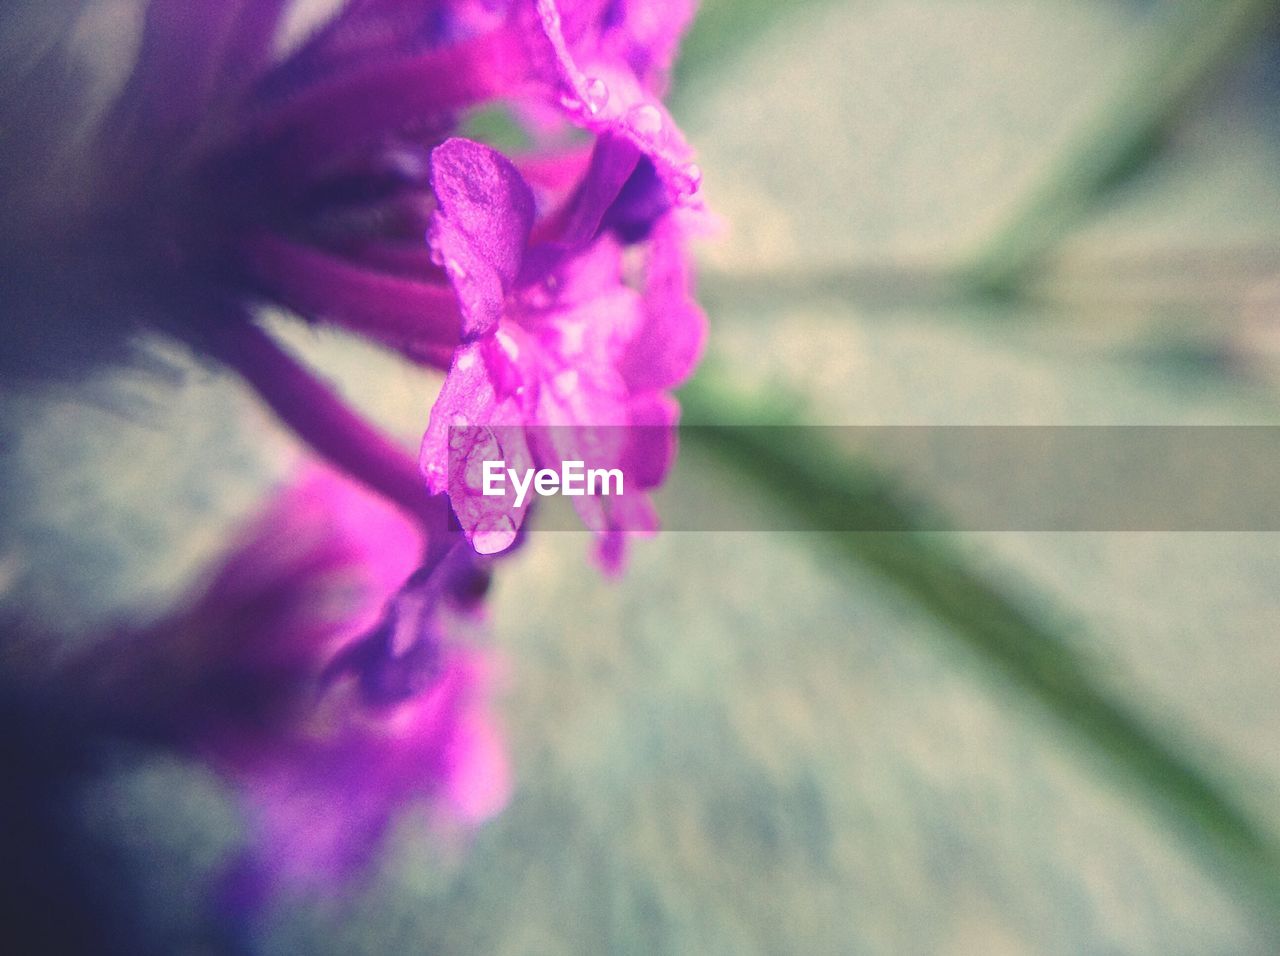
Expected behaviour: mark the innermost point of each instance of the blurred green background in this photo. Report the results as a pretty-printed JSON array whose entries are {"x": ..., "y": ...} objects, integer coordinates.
[{"x": 969, "y": 212}]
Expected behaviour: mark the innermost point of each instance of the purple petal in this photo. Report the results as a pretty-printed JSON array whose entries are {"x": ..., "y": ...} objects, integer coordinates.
[
  {"x": 632, "y": 516},
  {"x": 557, "y": 283},
  {"x": 479, "y": 415},
  {"x": 612, "y": 163},
  {"x": 480, "y": 228},
  {"x": 670, "y": 342},
  {"x": 642, "y": 33},
  {"x": 651, "y": 440},
  {"x": 268, "y": 672},
  {"x": 641, "y": 202},
  {"x": 602, "y": 92},
  {"x": 646, "y": 34},
  {"x": 361, "y": 773},
  {"x": 645, "y": 459}
]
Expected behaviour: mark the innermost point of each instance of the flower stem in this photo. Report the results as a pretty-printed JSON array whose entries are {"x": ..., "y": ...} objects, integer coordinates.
[
  {"x": 806, "y": 477},
  {"x": 310, "y": 128},
  {"x": 1189, "y": 44},
  {"x": 417, "y": 318},
  {"x": 317, "y": 415}
]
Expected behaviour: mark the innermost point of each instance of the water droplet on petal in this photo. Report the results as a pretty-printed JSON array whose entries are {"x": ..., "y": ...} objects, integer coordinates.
[
  {"x": 688, "y": 180},
  {"x": 466, "y": 360},
  {"x": 596, "y": 95},
  {"x": 646, "y": 121},
  {"x": 459, "y": 420},
  {"x": 493, "y": 534},
  {"x": 455, "y": 270}
]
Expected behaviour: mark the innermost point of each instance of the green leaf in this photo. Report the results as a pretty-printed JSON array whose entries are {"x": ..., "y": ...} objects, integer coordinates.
[{"x": 814, "y": 483}]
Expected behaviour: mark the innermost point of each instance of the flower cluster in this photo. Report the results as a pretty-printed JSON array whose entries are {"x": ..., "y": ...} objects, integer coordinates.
[
  {"x": 548, "y": 282},
  {"x": 333, "y": 176},
  {"x": 325, "y": 676}
]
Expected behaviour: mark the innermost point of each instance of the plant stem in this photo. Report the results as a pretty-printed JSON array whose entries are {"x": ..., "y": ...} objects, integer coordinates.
[
  {"x": 316, "y": 414},
  {"x": 1188, "y": 44},
  {"x": 807, "y": 479}
]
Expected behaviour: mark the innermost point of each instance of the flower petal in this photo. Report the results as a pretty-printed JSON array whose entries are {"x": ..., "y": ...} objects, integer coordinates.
[
  {"x": 670, "y": 341},
  {"x": 480, "y": 228},
  {"x": 612, "y": 163},
  {"x": 479, "y": 415},
  {"x": 602, "y": 92}
]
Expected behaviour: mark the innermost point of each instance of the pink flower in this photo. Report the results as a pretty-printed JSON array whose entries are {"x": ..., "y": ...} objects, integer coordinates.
[
  {"x": 328, "y": 680},
  {"x": 560, "y": 358},
  {"x": 227, "y": 175}
]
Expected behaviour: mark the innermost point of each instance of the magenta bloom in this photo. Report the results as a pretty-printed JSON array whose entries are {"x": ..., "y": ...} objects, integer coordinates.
[
  {"x": 325, "y": 679},
  {"x": 324, "y": 669},
  {"x": 611, "y": 59},
  {"x": 551, "y": 285},
  {"x": 554, "y": 337}
]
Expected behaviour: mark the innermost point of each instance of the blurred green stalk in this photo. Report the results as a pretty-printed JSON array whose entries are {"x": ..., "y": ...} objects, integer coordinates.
[
  {"x": 800, "y": 474},
  {"x": 1183, "y": 48}
]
